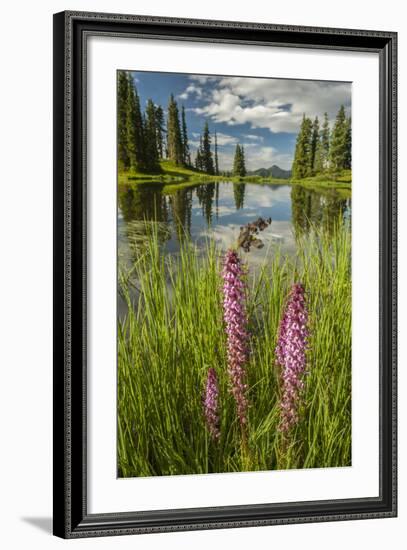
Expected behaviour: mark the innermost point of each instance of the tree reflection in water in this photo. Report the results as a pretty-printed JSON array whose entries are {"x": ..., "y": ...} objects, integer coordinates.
[
  {"x": 190, "y": 211},
  {"x": 238, "y": 194},
  {"x": 141, "y": 204},
  {"x": 181, "y": 208},
  {"x": 206, "y": 194},
  {"x": 311, "y": 208}
]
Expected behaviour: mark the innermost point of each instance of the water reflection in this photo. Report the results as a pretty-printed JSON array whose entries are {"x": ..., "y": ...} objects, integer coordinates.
[
  {"x": 137, "y": 205},
  {"x": 238, "y": 193},
  {"x": 181, "y": 209},
  {"x": 207, "y": 194},
  {"x": 143, "y": 202},
  {"x": 308, "y": 207},
  {"x": 217, "y": 210}
]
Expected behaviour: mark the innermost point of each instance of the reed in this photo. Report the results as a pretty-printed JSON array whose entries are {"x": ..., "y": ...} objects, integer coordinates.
[{"x": 174, "y": 332}]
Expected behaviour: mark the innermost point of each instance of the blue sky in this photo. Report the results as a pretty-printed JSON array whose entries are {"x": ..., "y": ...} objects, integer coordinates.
[{"x": 263, "y": 114}]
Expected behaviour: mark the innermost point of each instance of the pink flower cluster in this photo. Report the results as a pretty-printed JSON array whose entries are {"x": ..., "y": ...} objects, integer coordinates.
[
  {"x": 211, "y": 404},
  {"x": 291, "y": 355},
  {"x": 235, "y": 316}
]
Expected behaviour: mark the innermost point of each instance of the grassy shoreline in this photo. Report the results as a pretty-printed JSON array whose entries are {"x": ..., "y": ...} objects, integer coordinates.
[{"x": 176, "y": 177}]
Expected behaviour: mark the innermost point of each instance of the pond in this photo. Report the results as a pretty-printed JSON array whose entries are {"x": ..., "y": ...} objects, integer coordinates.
[{"x": 218, "y": 210}]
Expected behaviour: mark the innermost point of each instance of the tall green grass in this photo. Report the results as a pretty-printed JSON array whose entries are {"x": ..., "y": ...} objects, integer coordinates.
[{"x": 173, "y": 332}]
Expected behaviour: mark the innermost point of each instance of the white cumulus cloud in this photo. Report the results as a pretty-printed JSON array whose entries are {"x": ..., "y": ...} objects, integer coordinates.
[
  {"x": 190, "y": 90},
  {"x": 275, "y": 104}
]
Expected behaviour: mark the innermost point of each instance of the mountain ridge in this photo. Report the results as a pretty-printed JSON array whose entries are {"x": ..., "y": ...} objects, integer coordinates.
[{"x": 273, "y": 171}]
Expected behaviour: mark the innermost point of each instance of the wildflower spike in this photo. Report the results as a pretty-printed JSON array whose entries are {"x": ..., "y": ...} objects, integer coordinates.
[
  {"x": 291, "y": 355},
  {"x": 235, "y": 316},
  {"x": 211, "y": 404}
]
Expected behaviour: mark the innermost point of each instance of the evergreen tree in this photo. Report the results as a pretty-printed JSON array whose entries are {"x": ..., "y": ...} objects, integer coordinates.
[
  {"x": 206, "y": 153},
  {"x": 348, "y": 144},
  {"x": 338, "y": 148},
  {"x": 122, "y": 91},
  {"x": 302, "y": 166},
  {"x": 243, "y": 162},
  {"x": 236, "y": 160},
  {"x": 159, "y": 122},
  {"x": 198, "y": 158},
  {"x": 174, "y": 136},
  {"x": 325, "y": 143},
  {"x": 239, "y": 167},
  {"x": 216, "y": 156},
  {"x": 314, "y": 143},
  {"x": 134, "y": 125},
  {"x": 185, "y": 146},
  {"x": 150, "y": 139},
  {"x": 319, "y": 165}
]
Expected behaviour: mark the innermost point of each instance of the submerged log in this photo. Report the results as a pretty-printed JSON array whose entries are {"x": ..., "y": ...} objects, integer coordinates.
[{"x": 246, "y": 237}]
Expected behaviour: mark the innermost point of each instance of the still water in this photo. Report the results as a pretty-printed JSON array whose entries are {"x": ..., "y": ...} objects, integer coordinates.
[{"x": 218, "y": 210}]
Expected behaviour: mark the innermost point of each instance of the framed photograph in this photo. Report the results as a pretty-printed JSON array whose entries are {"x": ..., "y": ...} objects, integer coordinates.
[{"x": 224, "y": 274}]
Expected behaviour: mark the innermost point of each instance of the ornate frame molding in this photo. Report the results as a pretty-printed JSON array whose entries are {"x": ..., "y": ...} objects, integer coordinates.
[{"x": 71, "y": 30}]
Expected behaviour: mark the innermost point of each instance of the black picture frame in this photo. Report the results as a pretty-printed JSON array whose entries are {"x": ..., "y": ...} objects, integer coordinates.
[{"x": 71, "y": 519}]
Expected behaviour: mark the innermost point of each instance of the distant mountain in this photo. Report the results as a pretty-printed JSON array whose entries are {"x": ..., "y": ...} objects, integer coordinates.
[{"x": 273, "y": 172}]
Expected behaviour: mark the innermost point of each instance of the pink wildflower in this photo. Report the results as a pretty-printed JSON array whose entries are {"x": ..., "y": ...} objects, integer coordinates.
[
  {"x": 211, "y": 404},
  {"x": 235, "y": 317},
  {"x": 291, "y": 355}
]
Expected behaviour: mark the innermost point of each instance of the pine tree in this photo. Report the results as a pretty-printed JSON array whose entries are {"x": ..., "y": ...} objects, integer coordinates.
[
  {"x": 159, "y": 122},
  {"x": 207, "y": 159},
  {"x": 174, "y": 137},
  {"x": 319, "y": 158},
  {"x": 325, "y": 143},
  {"x": 348, "y": 144},
  {"x": 185, "y": 145},
  {"x": 237, "y": 161},
  {"x": 150, "y": 139},
  {"x": 243, "y": 162},
  {"x": 239, "y": 166},
  {"x": 122, "y": 91},
  {"x": 338, "y": 148},
  {"x": 135, "y": 132},
  {"x": 216, "y": 156},
  {"x": 302, "y": 166},
  {"x": 198, "y": 158},
  {"x": 314, "y": 143}
]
